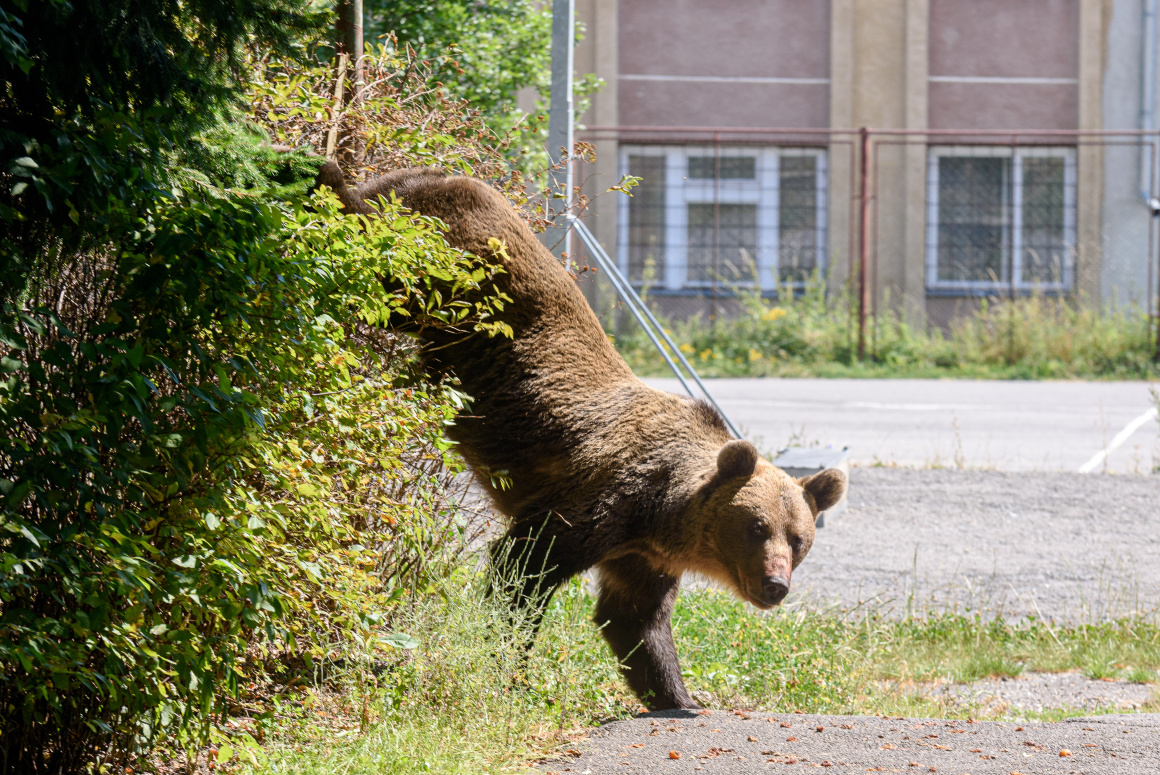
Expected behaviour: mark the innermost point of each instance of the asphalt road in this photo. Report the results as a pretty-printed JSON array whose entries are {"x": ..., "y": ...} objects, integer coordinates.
[
  {"x": 738, "y": 743},
  {"x": 980, "y": 424},
  {"x": 1058, "y": 545}
]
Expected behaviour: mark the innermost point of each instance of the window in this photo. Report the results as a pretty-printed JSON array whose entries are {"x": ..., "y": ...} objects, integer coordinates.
[
  {"x": 723, "y": 216},
  {"x": 1000, "y": 218}
]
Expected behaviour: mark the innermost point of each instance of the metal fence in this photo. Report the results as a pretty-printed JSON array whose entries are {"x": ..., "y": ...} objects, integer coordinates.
[{"x": 929, "y": 219}]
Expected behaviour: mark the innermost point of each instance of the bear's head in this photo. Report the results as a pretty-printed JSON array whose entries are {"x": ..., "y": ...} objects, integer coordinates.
[{"x": 759, "y": 521}]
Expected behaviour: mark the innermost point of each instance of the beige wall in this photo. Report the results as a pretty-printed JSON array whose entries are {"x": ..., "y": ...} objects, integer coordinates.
[
  {"x": 879, "y": 66},
  {"x": 598, "y": 53}
]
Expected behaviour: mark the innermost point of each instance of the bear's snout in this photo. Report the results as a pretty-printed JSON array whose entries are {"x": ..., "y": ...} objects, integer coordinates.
[{"x": 774, "y": 589}]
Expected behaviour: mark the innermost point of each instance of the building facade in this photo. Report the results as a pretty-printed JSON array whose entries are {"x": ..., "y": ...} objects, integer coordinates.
[{"x": 992, "y": 164}]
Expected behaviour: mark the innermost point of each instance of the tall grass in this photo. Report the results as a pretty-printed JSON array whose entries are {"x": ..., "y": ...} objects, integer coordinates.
[{"x": 812, "y": 333}]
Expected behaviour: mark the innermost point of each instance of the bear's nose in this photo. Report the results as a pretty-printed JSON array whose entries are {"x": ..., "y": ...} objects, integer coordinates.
[{"x": 774, "y": 589}]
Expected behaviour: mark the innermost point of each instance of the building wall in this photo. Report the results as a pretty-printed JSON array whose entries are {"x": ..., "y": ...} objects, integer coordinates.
[
  {"x": 995, "y": 64},
  {"x": 1125, "y": 275},
  {"x": 887, "y": 64},
  {"x": 683, "y": 63}
]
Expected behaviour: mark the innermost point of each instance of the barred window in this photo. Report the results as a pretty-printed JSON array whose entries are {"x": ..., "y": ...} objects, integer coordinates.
[
  {"x": 999, "y": 218},
  {"x": 722, "y": 243},
  {"x": 727, "y": 217},
  {"x": 646, "y": 218}
]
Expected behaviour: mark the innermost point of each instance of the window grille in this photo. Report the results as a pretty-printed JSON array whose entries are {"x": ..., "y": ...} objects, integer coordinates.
[
  {"x": 1000, "y": 219},
  {"x": 727, "y": 217}
]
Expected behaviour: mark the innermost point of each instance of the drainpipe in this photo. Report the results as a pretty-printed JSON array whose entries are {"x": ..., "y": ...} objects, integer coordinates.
[{"x": 1147, "y": 93}]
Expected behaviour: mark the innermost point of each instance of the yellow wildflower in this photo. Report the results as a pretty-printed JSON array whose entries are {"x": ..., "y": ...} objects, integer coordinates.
[
  {"x": 773, "y": 313},
  {"x": 688, "y": 349},
  {"x": 754, "y": 355}
]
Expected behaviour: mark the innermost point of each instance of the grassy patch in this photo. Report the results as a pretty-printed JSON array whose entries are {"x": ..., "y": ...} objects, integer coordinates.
[
  {"x": 468, "y": 698},
  {"x": 813, "y": 334}
]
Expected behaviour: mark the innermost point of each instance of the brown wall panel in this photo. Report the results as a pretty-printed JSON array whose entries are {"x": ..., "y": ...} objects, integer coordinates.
[
  {"x": 764, "y": 38},
  {"x": 1012, "y": 38},
  {"x": 683, "y": 103},
  {"x": 1003, "y": 106}
]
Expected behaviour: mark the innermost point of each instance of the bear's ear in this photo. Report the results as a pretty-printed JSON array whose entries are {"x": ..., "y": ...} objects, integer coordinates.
[
  {"x": 825, "y": 487},
  {"x": 736, "y": 458}
]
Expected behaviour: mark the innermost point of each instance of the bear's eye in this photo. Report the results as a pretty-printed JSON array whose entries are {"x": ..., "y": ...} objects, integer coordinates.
[
  {"x": 758, "y": 532},
  {"x": 795, "y": 544}
]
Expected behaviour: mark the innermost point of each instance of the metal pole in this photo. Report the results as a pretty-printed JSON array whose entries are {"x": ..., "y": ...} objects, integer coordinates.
[
  {"x": 716, "y": 232},
  {"x": 864, "y": 243},
  {"x": 560, "y": 119}
]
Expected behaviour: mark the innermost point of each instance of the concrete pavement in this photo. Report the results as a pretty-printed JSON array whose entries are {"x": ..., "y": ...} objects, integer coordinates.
[
  {"x": 979, "y": 424},
  {"x": 737, "y": 742}
]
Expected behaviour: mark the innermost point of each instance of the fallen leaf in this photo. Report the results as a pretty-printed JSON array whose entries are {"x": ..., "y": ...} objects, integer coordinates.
[
  {"x": 1065, "y": 752},
  {"x": 847, "y": 726},
  {"x": 889, "y": 747},
  {"x": 786, "y": 724},
  {"x": 751, "y": 739},
  {"x": 674, "y": 754},
  {"x": 820, "y": 728},
  {"x": 791, "y": 739}
]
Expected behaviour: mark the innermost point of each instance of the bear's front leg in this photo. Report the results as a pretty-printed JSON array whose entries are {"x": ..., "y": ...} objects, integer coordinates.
[{"x": 634, "y": 610}]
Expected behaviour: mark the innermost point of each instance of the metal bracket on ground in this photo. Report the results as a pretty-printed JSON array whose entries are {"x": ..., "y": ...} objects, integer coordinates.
[{"x": 807, "y": 461}]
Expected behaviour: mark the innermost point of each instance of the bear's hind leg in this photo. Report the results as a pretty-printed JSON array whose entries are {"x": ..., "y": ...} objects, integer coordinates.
[{"x": 634, "y": 609}]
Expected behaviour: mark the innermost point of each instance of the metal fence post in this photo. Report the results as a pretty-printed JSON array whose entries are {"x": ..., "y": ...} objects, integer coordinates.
[{"x": 864, "y": 242}]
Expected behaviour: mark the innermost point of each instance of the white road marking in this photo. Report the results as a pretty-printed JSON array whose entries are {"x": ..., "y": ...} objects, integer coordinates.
[
  {"x": 1121, "y": 437},
  {"x": 879, "y": 405}
]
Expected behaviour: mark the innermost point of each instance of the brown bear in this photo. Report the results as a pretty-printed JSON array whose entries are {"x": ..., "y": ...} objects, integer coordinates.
[{"x": 604, "y": 472}]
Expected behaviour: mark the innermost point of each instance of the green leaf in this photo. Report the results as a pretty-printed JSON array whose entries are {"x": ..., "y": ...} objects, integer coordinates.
[{"x": 400, "y": 640}]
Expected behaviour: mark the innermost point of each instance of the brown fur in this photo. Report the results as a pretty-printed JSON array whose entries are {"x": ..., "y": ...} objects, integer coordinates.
[{"x": 604, "y": 471}]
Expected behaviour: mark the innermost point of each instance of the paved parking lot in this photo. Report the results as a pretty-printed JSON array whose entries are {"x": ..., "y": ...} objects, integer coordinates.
[{"x": 979, "y": 424}]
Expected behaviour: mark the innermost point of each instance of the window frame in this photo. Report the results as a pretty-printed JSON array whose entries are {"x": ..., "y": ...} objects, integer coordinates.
[
  {"x": 763, "y": 190},
  {"x": 1012, "y": 257}
]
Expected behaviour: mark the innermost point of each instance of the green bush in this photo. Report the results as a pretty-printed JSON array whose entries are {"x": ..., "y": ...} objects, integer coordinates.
[
  {"x": 167, "y": 402},
  {"x": 211, "y": 453}
]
